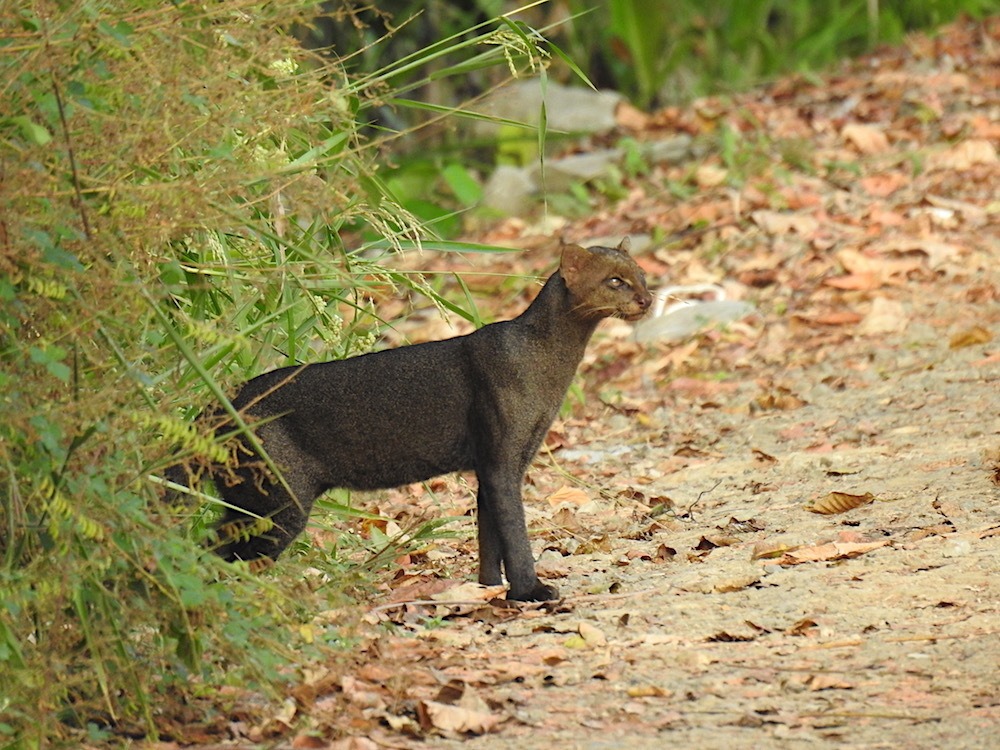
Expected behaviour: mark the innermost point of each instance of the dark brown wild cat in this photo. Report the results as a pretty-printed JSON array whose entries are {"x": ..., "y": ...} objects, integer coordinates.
[{"x": 481, "y": 402}]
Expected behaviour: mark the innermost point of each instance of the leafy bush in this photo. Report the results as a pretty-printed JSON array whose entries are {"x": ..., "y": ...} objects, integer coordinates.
[{"x": 183, "y": 193}]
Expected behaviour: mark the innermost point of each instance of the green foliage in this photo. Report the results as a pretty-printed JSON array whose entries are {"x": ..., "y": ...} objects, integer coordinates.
[
  {"x": 656, "y": 51},
  {"x": 187, "y": 197}
]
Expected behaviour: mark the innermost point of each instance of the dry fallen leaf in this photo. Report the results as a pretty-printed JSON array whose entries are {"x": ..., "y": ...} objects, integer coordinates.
[
  {"x": 709, "y": 175},
  {"x": 664, "y": 553},
  {"x": 802, "y": 627},
  {"x": 350, "y": 743},
  {"x": 838, "y": 502},
  {"x": 830, "y": 551},
  {"x": 468, "y": 592},
  {"x": 457, "y": 709},
  {"x": 360, "y": 693},
  {"x": 867, "y": 139},
  {"x": 631, "y": 117},
  {"x": 835, "y": 318},
  {"x": 647, "y": 691},
  {"x": 778, "y": 223},
  {"x": 711, "y": 541},
  {"x": 568, "y": 495},
  {"x": 737, "y": 582},
  {"x": 770, "y": 549},
  {"x": 308, "y": 741},
  {"x": 900, "y": 253},
  {"x": 886, "y": 316},
  {"x": 779, "y": 399},
  {"x": 860, "y": 282},
  {"x": 964, "y": 155},
  {"x": 827, "y": 682},
  {"x": 456, "y": 719},
  {"x": 970, "y": 337},
  {"x": 591, "y": 635},
  {"x": 884, "y": 184}
]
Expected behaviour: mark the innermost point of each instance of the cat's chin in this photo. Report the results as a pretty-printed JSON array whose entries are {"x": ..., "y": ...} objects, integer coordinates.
[{"x": 632, "y": 317}]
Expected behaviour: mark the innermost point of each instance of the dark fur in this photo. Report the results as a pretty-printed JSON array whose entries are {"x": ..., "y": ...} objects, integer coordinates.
[{"x": 481, "y": 402}]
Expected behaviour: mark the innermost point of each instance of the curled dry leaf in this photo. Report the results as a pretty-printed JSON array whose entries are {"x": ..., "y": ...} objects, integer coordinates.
[
  {"x": 568, "y": 495},
  {"x": 456, "y": 719},
  {"x": 762, "y": 457},
  {"x": 867, "y": 139},
  {"x": 828, "y": 682},
  {"x": 802, "y": 627},
  {"x": 886, "y": 316},
  {"x": 665, "y": 553},
  {"x": 769, "y": 549},
  {"x": 831, "y": 551},
  {"x": 711, "y": 541},
  {"x": 468, "y": 592},
  {"x": 346, "y": 743},
  {"x": 779, "y": 223},
  {"x": 838, "y": 502},
  {"x": 630, "y": 117},
  {"x": 737, "y": 582},
  {"x": 970, "y": 337},
  {"x": 709, "y": 175},
  {"x": 457, "y": 709},
  {"x": 779, "y": 399},
  {"x": 964, "y": 155},
  {"x": 591, "y": 635},
  {"x": 647, "y": 691}
]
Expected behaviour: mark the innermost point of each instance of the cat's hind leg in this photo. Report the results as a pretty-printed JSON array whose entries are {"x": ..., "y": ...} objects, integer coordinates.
[{"x": 286, "y": 510}]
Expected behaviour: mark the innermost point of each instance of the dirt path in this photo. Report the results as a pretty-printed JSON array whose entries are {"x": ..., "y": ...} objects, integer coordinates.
[
  {"x": 707, "y": 648},
  {"x": 736, "y": 617},
  {"x": 705, "y": 605}
]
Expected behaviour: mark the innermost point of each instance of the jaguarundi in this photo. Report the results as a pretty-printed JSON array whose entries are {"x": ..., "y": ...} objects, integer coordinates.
[{"x": 482, "y": 402}]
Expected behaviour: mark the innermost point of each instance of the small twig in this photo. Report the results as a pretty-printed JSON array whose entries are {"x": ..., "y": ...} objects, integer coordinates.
[
  {"x": 701, "y": 494},
  {"x": 950, "y": 637},
  {"x": 427, "y": 603},
  {"x": 691, "y": 232},
  {"x": 569, "y": 599},
  {"x": 72, "y": 161},
  {"x": 867, "y": 715},
  {"x": 610, "y": 597}
]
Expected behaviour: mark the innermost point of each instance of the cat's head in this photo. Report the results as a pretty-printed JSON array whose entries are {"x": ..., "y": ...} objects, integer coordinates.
[{"x": 604, "y": 282}]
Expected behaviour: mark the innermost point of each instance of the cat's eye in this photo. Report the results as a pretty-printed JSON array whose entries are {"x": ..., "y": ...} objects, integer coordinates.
[{"x": 616, "y": 282}]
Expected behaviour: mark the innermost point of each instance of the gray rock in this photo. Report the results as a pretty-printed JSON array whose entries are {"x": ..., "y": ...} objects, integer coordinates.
[
  {"x": 509, "y": 190},
  {"x": 568, "y": 109}
]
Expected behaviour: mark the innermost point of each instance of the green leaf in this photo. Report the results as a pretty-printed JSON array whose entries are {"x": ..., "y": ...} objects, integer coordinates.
[
  {"x": 121, "y": 32},
  {"x": 444, "y": 246},
  {"x": 51, "y": 358},
  {"x": 331, "y": 145},
  {"x": 465, "y": 187},
  {"x": 32, "y": 131},
  {"x": 59, "y": 370}
]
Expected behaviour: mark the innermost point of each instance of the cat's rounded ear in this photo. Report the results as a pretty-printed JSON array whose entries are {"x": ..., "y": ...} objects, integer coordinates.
[
  {"x": 572, "y": 262},
  {"x": 624, "y": 246}
]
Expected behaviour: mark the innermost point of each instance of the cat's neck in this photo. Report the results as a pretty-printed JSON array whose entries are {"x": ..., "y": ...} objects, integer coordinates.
[{"x": 552, "y": 316}]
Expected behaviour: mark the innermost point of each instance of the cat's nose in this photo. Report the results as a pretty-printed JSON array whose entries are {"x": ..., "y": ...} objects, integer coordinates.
[{"x": 644, "y": 300}]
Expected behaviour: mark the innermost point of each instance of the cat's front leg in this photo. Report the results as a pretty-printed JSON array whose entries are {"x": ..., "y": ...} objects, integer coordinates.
[{"x": 503, "y": 533}]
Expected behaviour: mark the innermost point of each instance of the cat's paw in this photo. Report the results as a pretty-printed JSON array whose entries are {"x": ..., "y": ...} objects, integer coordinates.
[
  {"x": 540, "y": 592},
  {"x": 491, "y": 579}
]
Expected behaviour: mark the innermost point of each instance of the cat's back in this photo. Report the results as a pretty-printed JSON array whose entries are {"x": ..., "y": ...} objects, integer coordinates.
[{"x": 384, "y": 379}]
